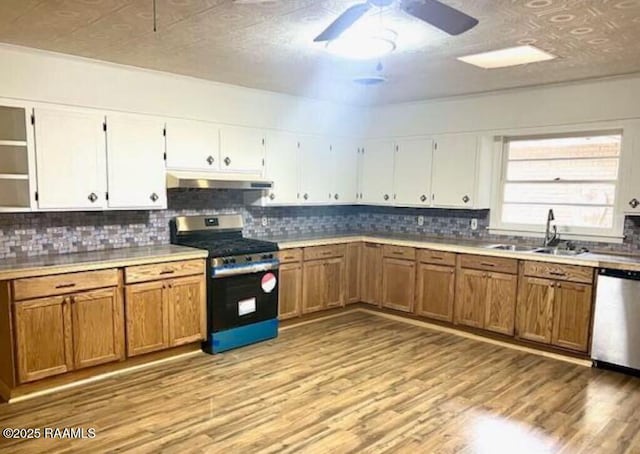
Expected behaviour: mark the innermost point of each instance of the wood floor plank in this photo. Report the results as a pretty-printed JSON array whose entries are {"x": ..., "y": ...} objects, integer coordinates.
[{"x": 356, "y": 383}]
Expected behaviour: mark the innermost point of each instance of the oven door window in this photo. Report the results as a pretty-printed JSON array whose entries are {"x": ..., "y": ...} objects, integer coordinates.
[{"x": 242, "y": 300}]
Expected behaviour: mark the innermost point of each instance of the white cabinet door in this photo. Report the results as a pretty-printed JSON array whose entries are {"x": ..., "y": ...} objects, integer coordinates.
[
  {"x": 412, "y": 175},
  {"x": 282, "y": 167},
  {"x": 454, "y": 171},
  {"x": 630, "y": 171},
  {"x": 241, "y": 150},
  {"x": 135, "y": 162},
  {"x": 317, "y": 167},
  {"x": 345, "y": 155},
  {"x": 70, "y": 160},
  {"x": 377, "y": 172},
  {"x": 193, "y": 145}
]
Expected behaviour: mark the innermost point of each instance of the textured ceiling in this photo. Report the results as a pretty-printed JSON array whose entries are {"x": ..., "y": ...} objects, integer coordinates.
[{"x": 270, "y": 46}]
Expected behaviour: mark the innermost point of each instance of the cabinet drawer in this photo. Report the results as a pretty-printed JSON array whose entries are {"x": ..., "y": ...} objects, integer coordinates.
[
  {"x": 155, "y": 271},
  {"x": 290, "y": 255},
  {"x": 557, "y": 271},
  {"x": 399, "y": 252},
  {"x": 323, "y": 252},
  {"x": 497, "y": 264},
  {"x": 59, "y": 284},
  {"x": 437, "y": 257}
]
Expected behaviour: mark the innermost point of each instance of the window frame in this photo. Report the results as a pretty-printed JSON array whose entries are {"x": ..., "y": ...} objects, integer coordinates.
[{"x": 615, "y": 234}]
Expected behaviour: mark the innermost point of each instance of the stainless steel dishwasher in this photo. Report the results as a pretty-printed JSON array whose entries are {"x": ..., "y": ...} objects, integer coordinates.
[{"x": 616, "y": 326}]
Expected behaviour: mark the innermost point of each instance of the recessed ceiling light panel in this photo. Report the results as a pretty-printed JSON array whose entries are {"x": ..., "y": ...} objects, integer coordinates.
[{"x": 511, "y": 56}]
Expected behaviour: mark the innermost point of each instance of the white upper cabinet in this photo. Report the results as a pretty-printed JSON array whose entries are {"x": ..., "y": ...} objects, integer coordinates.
[
  {"x": 344, "y": 154},
  {"x": 316, "y": 184},
  {"x": 135, "y": 162},
  {"x": 193, "y": 145},
  {"x": 282, "y": 167},
  {"x": 412, "y": 175},
  {"x": 454, "y": 174},
  {"x": 70, "y": 160},
  {"x": 630, "y": 170},
  {"x": 242, "y": 150},
  {"x": 377, "y": 172}
]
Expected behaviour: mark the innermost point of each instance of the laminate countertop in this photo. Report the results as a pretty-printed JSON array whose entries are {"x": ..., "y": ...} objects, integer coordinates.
[
  {"x": 88, "y": 261},
  {"x": 464, "y": 246}
]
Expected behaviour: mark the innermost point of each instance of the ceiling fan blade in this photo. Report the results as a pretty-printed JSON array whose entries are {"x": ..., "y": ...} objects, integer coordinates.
[
  {"x": 343, "y": 22},
  {"x": 442, "y": 16}
]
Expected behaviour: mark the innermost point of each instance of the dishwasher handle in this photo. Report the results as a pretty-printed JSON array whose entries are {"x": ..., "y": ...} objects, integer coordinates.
[{"x": 620, "y": 274}]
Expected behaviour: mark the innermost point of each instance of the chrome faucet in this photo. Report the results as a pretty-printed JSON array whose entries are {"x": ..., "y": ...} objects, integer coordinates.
[{"x": 551, "y": 237}]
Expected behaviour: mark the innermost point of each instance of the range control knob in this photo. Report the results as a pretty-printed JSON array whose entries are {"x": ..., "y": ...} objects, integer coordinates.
[
  {"x": 232, "y": 260},
  {"x": 267, "y": 256},
  {"x": 248, "y": 258},
  {"x": 225, "y": 261}
]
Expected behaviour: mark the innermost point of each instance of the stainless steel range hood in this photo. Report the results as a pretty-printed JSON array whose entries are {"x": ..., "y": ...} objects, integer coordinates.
[{"x": 204, "y": 180}]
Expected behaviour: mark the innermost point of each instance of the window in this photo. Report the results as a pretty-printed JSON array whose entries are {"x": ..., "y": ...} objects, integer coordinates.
[{"x": 575, "y": 175}]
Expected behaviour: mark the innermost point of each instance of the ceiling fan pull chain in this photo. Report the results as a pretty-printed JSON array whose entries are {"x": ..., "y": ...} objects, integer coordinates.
[{"x": 155, "y": 17}]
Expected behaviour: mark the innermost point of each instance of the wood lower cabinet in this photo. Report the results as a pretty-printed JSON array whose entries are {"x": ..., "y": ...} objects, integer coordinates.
[
  {"x": 535, "y": 309},
  {"x": 147, "y": 315},
  {"x": 435, "y": 291},
  {"x": 398, "y": 284},
  {"x": 323, "y": 284},
  {"x": 500, "y": 310},
  {"x": 64, "y": 333},
  {"x": 486, "y": 299},
  {"x": 552, "y": 311},
  {"x": 353, "y": 260},
  {"x": 471, "y": 293},
  {"x": 98, "y": 327},
  {"x": 43, "y": 338},
  {"x": 572, "y": 316},
  {"x": 187, "y": 313},
  {"x": 165, "y": 314},
  {"x": 290, "y": 291},
  {"x": 371, "y": 274}
]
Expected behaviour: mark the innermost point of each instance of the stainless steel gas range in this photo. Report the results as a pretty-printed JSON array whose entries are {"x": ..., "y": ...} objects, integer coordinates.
[{"x": 242, "y": 294}]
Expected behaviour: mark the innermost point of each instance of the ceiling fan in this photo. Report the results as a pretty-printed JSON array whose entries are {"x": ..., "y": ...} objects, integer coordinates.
[{"x": 442, "y": 16}]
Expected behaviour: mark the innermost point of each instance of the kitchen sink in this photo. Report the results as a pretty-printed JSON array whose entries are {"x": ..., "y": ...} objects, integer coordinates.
[
  {"x": 510, "y": 247},
  {"x": 557, "y": 251}
]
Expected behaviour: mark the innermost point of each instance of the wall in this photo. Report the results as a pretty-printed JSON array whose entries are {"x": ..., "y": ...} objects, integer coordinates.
[{"x": 29, "y": 74}]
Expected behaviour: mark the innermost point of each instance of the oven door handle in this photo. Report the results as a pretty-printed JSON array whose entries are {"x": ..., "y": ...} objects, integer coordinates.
[{"x": 249, "y": 269}]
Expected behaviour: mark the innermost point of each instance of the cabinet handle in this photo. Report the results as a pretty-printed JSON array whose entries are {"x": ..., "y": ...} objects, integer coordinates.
[
  {"x": 634, "y": 203},
  {"x": 272, "y": 196},
  {"x": 336, "y": 196},
  {"x": 487, "y": 264},
  {"x": 227, "y": 161},
  {"x": 386, "y": 197},
  {"x": 165, "y": 272},
  {"x": 65, "y": 285},
  {"x": 423, "y": 198},
  {"x": 398, "y": 253},
  {"x": 154, "y": 197},
  {"x": 210, "y": 160},
  {"x": 466, "y": 199},
  {"x": 306, "y": 196},
  {"x": 93, "y": 197},
  {"x": 72, "y": 299},
  {"x": 556, "y": 273},
  {"x": 437, "y": 257}
]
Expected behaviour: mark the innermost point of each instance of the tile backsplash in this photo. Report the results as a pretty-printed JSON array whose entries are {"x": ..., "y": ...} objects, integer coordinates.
[{"x": 28, "y": 234}]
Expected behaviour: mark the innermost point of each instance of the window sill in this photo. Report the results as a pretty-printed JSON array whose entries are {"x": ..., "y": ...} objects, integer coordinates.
[{"x": 576, "y": 236}]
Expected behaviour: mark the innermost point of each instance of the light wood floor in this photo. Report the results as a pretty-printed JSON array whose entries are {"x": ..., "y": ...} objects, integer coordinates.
[{"x": 354, "y": 383}]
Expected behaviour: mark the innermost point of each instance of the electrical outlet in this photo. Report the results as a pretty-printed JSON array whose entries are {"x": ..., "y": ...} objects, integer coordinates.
[
  {"x": 264, "y": 221},
  {"x": 420, "y": 220},
  {"x": 474, "y": 224}
]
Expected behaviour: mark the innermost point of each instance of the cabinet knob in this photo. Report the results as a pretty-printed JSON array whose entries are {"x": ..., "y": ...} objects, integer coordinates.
[
  {"x": 423, "y": 198},
  {"x": 93, "y": 197},
  {"x": 227, "y": 161},
  {"x": 154, "y": 197},
  {"x": 210, "y": 160},
  {"x": 386, "y": 197},
  {"x": 272, "y": 196},
  {"x": 634, "y": 203},
  {"x": 466, "y": 199},
  {"x": 336, "y": 196},
  {"x": 306, "y": 196}
]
